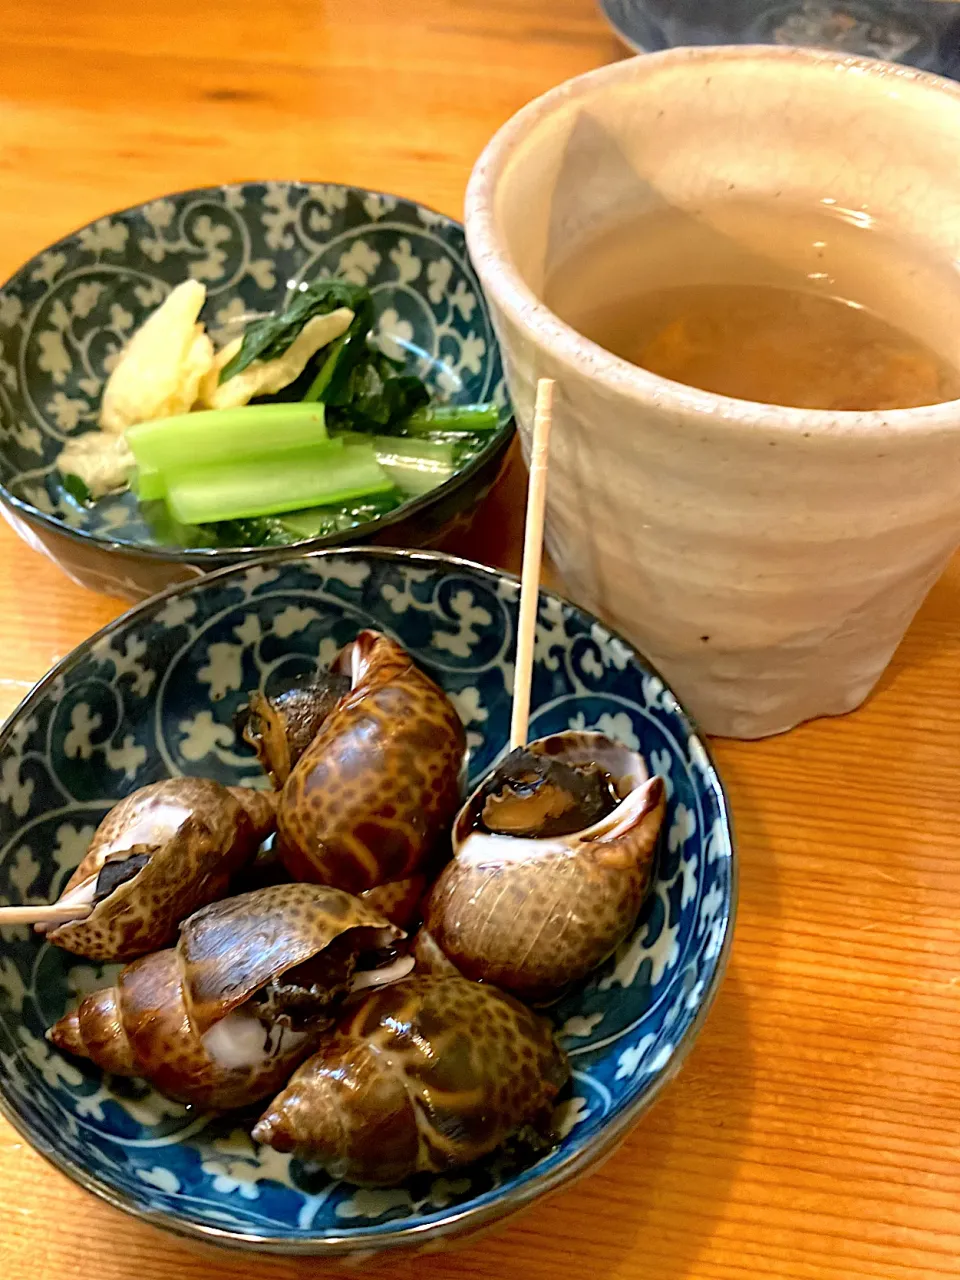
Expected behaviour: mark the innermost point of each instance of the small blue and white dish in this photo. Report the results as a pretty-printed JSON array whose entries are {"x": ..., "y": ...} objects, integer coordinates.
[
  {"x": 69, "y": 310},
  {"x": 153, "y": 695},
  {"x": 920, "y": 33}
]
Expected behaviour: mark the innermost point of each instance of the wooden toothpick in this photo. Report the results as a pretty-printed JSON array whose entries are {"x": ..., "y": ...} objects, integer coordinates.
[
  {"x": 532, "y": 556},
  {"x": 42, "y": 913}
]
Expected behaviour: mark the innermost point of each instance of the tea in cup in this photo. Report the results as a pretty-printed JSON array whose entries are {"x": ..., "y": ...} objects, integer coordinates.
[{"x": 740, "y": 267}]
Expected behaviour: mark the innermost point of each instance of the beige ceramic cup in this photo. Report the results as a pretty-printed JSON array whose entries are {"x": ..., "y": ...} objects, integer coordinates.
[{"x": 767, "y": 560}]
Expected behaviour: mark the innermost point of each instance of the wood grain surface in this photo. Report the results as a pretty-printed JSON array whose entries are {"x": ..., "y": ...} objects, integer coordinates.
[{"x": 815, "y": 1131}]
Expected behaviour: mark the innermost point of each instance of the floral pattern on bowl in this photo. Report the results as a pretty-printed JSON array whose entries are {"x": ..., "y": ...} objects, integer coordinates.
[
  {"x": 66, "y": 314},
  {"x": 921, "y": 33},
  {"x": 154, "y": 695}
]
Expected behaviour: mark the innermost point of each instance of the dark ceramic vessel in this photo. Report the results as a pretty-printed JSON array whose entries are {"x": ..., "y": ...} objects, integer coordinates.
[
  {"x": 65, "y": 313},
  {"x": 920, "y": 33}
]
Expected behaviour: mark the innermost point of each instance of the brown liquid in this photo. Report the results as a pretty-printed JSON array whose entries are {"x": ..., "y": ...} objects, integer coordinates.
[{"x": 786, "y": 307}]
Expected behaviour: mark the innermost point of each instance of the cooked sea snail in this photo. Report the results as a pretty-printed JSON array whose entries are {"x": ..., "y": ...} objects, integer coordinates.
[
  {"x": 418, "y": 1078},
  {"x": 222, "y": 1019},
  {"x": 281, "y": 726},
  {"x": 369, "y": 798},
  {"x": 157, "y": 856},
  {"x": 398, "y": 900},
  {"x": 554, "y": 855}
]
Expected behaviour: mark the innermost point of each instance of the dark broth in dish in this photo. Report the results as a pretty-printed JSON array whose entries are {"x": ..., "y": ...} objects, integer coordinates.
[{"x": 815, "y": 308}]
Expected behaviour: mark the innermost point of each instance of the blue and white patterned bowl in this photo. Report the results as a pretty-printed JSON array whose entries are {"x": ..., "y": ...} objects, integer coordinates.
[
  {"x": 153, "y": 695},
  {"x": 65, "y": 314},
  {"x": 920, "y": 33}
]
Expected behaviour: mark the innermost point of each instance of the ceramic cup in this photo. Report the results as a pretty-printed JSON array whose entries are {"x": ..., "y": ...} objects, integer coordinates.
[{"x": 768, "y": 560}]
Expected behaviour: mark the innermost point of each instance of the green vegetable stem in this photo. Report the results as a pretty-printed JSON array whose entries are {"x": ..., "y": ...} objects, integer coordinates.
[
  {"x": 225, "y": 435},
  {"x": 453, "y": 417},
  {"x": 286, "y": 481},
  {"x": 354, "y": 436},
  {"x": 148, "y": 484}
]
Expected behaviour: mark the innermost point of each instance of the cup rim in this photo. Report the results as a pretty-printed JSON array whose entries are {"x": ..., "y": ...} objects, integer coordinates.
[{"x": 567, "y": 346}]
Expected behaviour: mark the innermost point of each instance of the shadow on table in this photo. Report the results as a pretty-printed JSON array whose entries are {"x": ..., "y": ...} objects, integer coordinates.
[
  {"x": 661, "y": 1196},
  {"x": 932, "y": 638}
]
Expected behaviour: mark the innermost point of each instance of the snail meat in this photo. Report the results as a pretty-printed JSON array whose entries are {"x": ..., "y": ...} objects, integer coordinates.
[
  {"x": 158, "y": 855},
  {"x": 420, "y": 1077},
  {"x": 369, "y": 798},
  {"x": 533, "y": 908},
  {"x": 532, "y": 794},
  {"x": 281, "y": 726},
  {"x": 222, "y": 1019},
  {"x": 114, "y": 874}
]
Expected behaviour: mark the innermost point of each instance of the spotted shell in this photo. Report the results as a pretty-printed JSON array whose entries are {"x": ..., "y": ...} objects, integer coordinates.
[
  {"x": 398, "y": 900},
  {"x": 378, "y": 785},
  {"x": 232, "y": 948},
  {"x": 534, "y": 915},
  {"x": 141, "y": 1027},
  {"x": 197, "y": 834},
  {"x": 420, "y": 1077},
  {"x": 154, "y": 1021}
]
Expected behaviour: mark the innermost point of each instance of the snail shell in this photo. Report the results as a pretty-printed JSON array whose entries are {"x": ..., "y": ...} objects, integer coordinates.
[
  {"x": 221, "y": 1020},
  {"x": 398, "y": 900},
  {"x": 260, "y": 807},
  {"x": 281, "y": 726},
  {"x": 182, "y": 839},
  {"x": 419, "y": 1078},
  {"x": 378, "y": 784},
  {"x": 532, "y": 915}
]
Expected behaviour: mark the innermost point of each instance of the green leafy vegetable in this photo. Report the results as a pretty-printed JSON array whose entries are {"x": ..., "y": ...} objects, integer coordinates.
[
  {"x": 172, "y": 533},
  {"x": 270, "y": 337},
  {"x": 377, "y": 402},
  {"x": 453, "y": 417},
  {"x": 318, "y": 387},
  {"x": 333, "y": 384},
  {"x": 148, "y": 484},
  {"x": 225, "y": 435},
  {"x": 413, "y": 481},
  {"x": 76, "y": 488},
  {"x": 291, "y": 480},
  {"x": 313, "y": 522},
  {"x": 364, "y": 389},
  {"x": 353, "y": 437},
  {"x": 415, "y": 466},
  {"x": 415, "y": 452}
]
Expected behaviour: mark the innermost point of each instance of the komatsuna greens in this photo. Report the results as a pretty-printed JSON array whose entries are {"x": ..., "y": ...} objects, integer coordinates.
[{"x": 300, "y": 427}]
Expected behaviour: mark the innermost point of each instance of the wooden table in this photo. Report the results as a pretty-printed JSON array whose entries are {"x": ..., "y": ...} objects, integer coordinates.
[{"x": 815, "y": 1131}]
